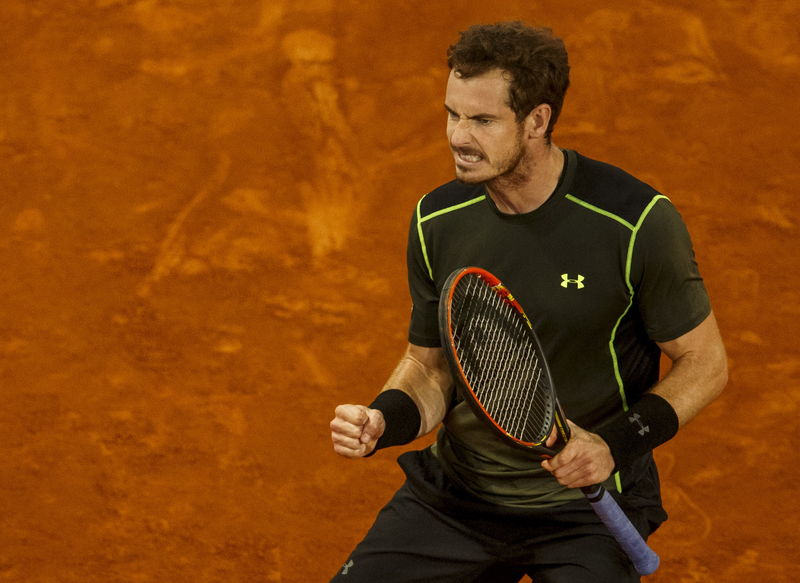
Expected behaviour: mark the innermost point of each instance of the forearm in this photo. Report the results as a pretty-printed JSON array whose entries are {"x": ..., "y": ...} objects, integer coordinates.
[
  {"x": 423, "y": 375},
  {"x": 412, "y": 403},
  {"x": 699, "y": 373},
  {"x": 694, "y": 381}
]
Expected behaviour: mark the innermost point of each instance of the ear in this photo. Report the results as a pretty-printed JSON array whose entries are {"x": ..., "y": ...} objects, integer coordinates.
[{"x": 537, "y": 121}]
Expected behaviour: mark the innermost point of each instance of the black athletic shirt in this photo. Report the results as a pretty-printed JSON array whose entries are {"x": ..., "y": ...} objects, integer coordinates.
[{"x": 604, "y": 269}]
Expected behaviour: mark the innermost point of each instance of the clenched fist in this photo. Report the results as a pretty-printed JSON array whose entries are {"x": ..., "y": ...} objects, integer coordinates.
[{"x": 355, "y": 429}]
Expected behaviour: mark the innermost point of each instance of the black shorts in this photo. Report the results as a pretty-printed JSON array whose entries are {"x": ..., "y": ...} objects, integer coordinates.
[{"x": 432, "y": 532}]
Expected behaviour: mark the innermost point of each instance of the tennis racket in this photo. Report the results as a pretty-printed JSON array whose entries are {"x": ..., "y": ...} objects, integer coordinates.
[{"x": 494, "y": 353}]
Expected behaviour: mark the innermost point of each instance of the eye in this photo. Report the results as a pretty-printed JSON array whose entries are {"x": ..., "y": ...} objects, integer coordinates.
[{"x": 483, "y": 121}]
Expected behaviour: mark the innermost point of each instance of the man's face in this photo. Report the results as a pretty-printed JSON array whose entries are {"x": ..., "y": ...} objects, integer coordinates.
[{"x": 485, "y": 137}]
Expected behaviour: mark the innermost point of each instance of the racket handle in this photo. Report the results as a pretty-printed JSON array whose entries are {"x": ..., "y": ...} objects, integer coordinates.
[{"x": 644, "y": 559}]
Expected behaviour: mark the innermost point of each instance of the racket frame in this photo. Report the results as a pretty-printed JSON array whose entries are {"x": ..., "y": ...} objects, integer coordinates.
[{"x": 558, "y": 419}]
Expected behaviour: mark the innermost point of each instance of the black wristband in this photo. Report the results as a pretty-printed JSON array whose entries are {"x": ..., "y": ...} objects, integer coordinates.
[
  {"x": 646, "y": 425},
  {"x": 401, "y": 415}
]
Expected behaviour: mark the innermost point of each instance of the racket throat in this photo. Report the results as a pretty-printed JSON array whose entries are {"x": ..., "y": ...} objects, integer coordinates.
[{"x": 562, "y": 435}]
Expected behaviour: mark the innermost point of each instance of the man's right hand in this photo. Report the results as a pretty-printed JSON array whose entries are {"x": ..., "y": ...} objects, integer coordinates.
[{"x": 355, "y": 429}]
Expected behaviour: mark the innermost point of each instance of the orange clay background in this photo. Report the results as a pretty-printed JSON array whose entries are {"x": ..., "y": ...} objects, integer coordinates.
[{"x": 202, "y": 236}]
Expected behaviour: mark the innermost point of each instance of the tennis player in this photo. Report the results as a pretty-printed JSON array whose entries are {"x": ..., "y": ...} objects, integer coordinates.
[{"x": 604, "y": 266}]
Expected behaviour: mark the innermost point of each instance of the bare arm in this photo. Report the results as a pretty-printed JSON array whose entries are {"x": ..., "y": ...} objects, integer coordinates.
[
  {"x": 423, "y": 375},
  {"x": 699, "y": 373},
  {"x": 699, "y": 370}
]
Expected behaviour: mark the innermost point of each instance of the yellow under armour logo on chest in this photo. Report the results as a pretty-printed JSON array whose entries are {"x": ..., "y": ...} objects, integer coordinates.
[{"x": 566, "y": 280}]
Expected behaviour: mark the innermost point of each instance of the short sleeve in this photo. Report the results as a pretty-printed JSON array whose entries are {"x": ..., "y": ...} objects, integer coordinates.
[
  {"x": 424, "y": 326},
  {"x": 668, "y": 288}
]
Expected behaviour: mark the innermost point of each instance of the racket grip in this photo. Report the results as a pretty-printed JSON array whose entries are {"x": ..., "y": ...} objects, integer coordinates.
[{"x": 644, "y": 559}]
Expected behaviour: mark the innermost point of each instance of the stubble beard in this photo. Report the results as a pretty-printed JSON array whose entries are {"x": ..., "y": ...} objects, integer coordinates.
[{"x": 513, "y": 171}]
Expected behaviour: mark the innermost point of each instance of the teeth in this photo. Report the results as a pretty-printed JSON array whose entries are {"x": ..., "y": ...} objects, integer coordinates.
[{"x": 471, "y": 157}]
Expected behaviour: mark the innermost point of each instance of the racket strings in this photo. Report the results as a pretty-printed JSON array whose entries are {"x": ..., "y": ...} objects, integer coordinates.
[{"x": 500, "y": 360}]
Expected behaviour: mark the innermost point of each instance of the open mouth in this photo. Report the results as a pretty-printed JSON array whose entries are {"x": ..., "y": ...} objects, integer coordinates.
[{"x": 467, "y": 158}]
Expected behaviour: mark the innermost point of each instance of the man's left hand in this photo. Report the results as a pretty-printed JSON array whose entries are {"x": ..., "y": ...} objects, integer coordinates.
[{"x": 584, "y": 461}]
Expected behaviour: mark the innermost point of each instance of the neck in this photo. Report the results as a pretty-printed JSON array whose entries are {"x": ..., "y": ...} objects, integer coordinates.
[{"x": 530, "y": 183}]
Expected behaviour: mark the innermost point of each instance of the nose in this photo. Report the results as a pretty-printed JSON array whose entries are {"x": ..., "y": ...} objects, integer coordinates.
[{"x": 458, "y": 131}]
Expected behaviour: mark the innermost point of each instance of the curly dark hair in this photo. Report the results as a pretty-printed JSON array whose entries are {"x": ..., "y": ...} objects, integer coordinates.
[{"x": 535, "y": 58}]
